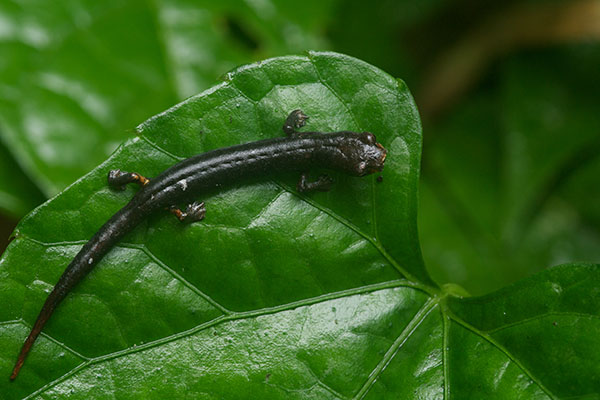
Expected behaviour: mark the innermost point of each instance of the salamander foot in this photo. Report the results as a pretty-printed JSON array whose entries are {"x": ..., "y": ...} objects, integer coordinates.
[
  {"x": 322, "y": 184},
  {"x": 296, "y": 120},
  {"x": 193, "y": 212},
  {"x": 118, "y": 179}
]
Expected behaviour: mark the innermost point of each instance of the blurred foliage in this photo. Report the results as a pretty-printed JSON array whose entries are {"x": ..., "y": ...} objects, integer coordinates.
[
  {"x": 18, "y": 195},
  {"x": 77, "y": 75},
  {"x": 509, "y": 181},
  {"x": 498, "y": 168}
]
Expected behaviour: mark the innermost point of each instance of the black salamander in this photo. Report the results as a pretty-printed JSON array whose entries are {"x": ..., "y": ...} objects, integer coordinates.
[{"x": 353, "y": 153}]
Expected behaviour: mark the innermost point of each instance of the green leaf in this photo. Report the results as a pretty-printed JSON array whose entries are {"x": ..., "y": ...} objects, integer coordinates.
[
  {"x": 546, "y": 327},
  {"x": 75, "y": 77},
  {"x": 261, "y": 246},
  {"x": 278, "y": 295}
]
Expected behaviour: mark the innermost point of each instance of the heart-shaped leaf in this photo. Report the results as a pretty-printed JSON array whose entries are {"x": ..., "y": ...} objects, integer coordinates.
[{"x": 277, "y": 294}]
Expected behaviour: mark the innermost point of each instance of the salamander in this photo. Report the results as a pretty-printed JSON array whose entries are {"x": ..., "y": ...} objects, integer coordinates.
[{"x": 353, "y": 153}]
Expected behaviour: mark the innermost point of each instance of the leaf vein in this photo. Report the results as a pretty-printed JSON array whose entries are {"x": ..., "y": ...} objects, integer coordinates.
[
  {"x": 414, "y": 323},
  {"x": 540, "y": 316}
]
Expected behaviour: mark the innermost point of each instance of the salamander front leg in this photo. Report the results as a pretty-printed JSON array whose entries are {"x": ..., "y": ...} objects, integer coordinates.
[
  {"x": 322, "y": 184},
  {"x": 296, "y": 120},
  {"x": 118, "y": 179},
  {"x": 193, "y": 212}
]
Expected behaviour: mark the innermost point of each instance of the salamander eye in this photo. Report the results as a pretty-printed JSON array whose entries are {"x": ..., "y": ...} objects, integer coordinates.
[{"x": 368, "y": 138}]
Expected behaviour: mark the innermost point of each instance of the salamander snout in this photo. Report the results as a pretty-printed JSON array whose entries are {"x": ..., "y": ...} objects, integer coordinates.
[{"x": 371, "y": 155}]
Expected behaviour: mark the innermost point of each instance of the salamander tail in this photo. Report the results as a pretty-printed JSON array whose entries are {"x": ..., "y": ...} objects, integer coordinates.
[{"x": 45, "y": 313}]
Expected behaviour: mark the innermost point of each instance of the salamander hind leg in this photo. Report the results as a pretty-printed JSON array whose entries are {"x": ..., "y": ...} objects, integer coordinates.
[
  {"x": 296, "y": 120},
  {"x": 118, "y": 179},
  {"x": 322, "y": 184},
  {"x": 193, "y": 212}
]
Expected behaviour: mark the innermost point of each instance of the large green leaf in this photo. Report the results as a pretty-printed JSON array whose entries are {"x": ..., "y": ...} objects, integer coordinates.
[
  {"x": 74, "y": 76},
  {"x": 277, "y": 294},
  {"x": 261, "y": 246}
]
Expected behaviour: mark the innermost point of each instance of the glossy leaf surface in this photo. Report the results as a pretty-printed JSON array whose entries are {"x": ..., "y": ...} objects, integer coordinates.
[{"x": 278, "y": 295}]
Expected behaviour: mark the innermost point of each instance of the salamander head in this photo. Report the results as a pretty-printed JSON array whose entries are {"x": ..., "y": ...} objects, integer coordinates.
[{"x": 363, "y": 154}]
